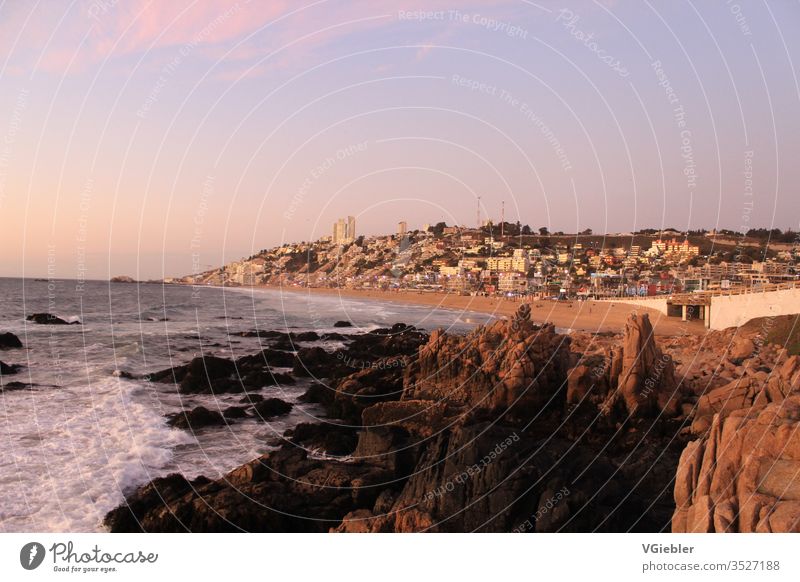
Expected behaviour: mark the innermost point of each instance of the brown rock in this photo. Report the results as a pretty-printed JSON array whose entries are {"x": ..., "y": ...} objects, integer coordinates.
[
  {"x": 509, "y": 365},
  {"x": 742, "y": 348},
  {"x": 744, "y": 475},
  {"x": 642, "y": 375}
]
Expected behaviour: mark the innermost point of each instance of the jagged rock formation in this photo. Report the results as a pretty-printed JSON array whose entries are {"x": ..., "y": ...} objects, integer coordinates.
[
  {"x": 466, "y": 433},
  {"x": 756, "y": 389},
  {"x": 284, "y": 491},
  {"x": 507, "y": 365},
  {"x": 635, "y": 378},
  {"x": 644, "y": 376},
  {"x": 744, "y": 475}
]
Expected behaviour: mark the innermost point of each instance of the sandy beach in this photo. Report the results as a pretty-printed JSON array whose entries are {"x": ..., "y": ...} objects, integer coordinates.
[{"x": 590, "y": 316}]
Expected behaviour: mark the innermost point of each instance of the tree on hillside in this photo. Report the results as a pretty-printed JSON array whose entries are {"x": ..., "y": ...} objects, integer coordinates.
[
  {"x": 438, "y": 228},
  {"x": 543, "y": 231}
]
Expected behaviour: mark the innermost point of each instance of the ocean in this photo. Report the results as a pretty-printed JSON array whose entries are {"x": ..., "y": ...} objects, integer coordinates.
[{"x": 80, "y": 436}]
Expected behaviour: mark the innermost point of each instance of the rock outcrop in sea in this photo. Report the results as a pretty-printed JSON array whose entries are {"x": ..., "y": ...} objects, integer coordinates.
[
  {"x": 9, "y": 341},
  {"x": 49, "y": 319},
  {"x": 511, "y": 427}
]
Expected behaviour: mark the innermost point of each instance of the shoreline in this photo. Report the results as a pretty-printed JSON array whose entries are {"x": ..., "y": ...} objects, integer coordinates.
[{"x": 585, "y": 316}]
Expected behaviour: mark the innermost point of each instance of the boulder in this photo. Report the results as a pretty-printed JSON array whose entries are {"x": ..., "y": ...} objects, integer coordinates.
[
  {"x": 8, "y": 369},
  {"x": 741, "y": 349},
  {"x": 744, "y": 474},
  {"x": 313, "y": 362},
  {"x": 754, "y": 391},
  {"x": 343, "y": 324},
  {"x": 268, "y": 357},
  {"x": 251, "y": 398},
  {"x": 206, "y": 374},
  {"x": 330, "y": 438},
  {"x": 235, "y": 412},
  {"x": 318, "y": 393},
  {"x": 196, "y": 418},
  {"x": 8, "y": 341},
  {"x": 272, "y": 407},
  {"x": 49, "y": 319}
]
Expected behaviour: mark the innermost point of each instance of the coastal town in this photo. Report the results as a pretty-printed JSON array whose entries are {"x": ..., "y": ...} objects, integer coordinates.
[{"x": 509, "y": 259}]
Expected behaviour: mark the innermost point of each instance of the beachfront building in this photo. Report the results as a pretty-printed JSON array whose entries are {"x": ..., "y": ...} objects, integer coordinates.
[
  {"x": 512, "y": 282},
  {"x": 519, "y": 264}
]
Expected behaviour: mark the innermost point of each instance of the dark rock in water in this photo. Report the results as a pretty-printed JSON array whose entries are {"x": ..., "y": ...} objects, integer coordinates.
[
  {"x": 313, "y": 362},
  {"x": 14, "y": 386},
  {"x": 268, "y": 357},
  {"x": 8, "y": 340},
  {"x": 202, "y": 375},
  {"x": 8, "y": 369},
  {"x": 397, "y": 328},
  {"x": 333, "y": 336},
  {"x": 212, "y": 374},
  {"x": 343, "y": 324},
  {"x": 285, "y": 345},
  {"x": 251, "y": 399},
  {"x": 318, "y": 393},
  {"x": 235, "y": 412},
  {"x": 282, "y": 338},
  {"x": 317, "y": 496},
  {"x": 271, "y": 378},
  {"x": 124, "y": 375},
  {"x": 329, "y": 438},
  {"x": 271, "y": 407},
  {"x": 124, "y": 518},
  {"x": 399, "y": 340},
  {"x": 196, "y": 418},
  {"x": 49, "y": 319},
  {"x": 265, "y": 334},
  {"x": 122, "y": 279}
]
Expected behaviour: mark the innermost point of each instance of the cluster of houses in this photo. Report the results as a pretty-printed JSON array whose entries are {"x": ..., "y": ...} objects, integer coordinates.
[{"x": 483, "y": 261}]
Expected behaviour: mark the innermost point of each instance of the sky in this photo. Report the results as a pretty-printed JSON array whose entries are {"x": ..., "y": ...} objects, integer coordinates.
[{"x": 153, "y": 139}]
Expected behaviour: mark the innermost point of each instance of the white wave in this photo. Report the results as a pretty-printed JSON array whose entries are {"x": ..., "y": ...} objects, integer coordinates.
[{"x": 73, "y": 458}]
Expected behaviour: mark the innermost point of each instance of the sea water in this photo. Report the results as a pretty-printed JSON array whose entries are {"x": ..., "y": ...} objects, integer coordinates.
[{"x": 82, "y": 436}]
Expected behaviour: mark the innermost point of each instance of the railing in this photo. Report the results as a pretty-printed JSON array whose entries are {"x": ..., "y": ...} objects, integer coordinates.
[
  {"x": 767, "y": 288},
  {"x": 635, "y": 297}
]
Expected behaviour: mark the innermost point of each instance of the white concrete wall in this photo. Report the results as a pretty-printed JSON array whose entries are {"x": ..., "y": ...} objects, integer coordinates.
[{"x": 734, "y": 310}]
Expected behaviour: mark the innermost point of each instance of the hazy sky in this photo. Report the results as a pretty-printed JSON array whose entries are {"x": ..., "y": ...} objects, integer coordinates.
[{"x": 135, "y": 133}]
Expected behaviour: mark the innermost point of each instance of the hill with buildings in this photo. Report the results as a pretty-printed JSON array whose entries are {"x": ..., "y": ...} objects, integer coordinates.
[{"x": 514, "y": 259}]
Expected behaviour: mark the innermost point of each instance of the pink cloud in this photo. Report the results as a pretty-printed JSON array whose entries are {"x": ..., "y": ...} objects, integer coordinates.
[{"x": 94, "y": 31}]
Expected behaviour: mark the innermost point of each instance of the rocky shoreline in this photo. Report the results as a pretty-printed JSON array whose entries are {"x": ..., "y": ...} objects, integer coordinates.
[{"x": 511, "y": 427}]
